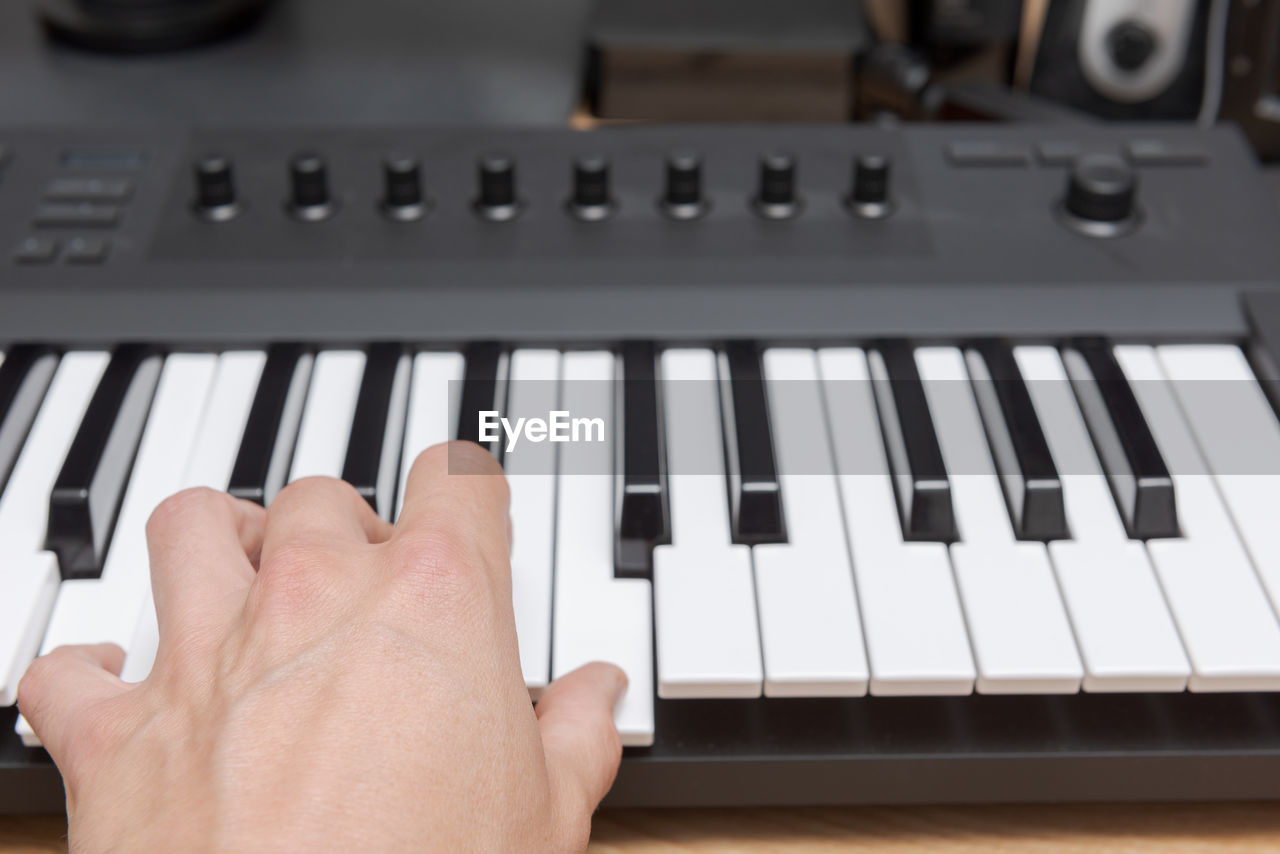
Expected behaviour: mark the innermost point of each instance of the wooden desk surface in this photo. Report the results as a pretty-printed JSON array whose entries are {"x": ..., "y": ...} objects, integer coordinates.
[{"x": 1125, "y": 829}]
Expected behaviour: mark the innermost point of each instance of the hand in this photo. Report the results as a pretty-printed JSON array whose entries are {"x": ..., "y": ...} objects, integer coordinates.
[{"x": 326, "y": 682}]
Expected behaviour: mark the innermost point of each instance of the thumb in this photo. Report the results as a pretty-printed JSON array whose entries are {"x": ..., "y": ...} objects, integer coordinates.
[
  {"x": 59, "y": 689},
  {"x": 581, "y": 743}
]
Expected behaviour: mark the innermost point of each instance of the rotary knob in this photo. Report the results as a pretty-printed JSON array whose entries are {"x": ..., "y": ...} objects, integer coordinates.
[
  {"x": 402, "y": 198},
  {"x": 682, "y": 197},
  {"x": 215, "y": 189},
  {"x": 591, "y": 200},
  {"x": 1101, "y": 197},
  {"x": 776, "y": 197},
  {"x": 869, "y": 195},
  {"x": 309, "y": 198},
  {"x": 497, "y": 200}
]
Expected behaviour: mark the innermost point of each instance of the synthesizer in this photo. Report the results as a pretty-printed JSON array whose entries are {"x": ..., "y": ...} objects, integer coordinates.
[{"x": 917, "y": 463}]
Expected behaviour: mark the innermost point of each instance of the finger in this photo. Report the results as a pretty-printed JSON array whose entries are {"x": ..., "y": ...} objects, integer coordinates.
[
  {"x": 59, "y": 690},
  {"x": 203, "y": 546},
  {"x": 320, "y": 511},
  {"x": 458, "y": 491},
  {"x": 579, "y": 738}
]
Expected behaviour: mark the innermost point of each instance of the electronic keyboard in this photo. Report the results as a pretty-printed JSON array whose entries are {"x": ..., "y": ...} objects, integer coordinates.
[{"x": 893, "y": 464}]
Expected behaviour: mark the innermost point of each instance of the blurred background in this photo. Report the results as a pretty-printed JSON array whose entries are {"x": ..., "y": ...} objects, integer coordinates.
[{"x": 516, "y": 62}]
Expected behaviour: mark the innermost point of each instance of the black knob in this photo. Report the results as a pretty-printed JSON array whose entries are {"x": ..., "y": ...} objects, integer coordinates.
[
  {"x": 776, "y": 198},
  {"x": 1101, "y": 197},
  {"x": 869, "y": 188},
  {"x": 402, "y": 198},
  {"x": 215, "y": 189},
  {"x": 309, "y": 198},
  {"x": 1130, "y": 45},
  {"x": 497, "y": 177},
  {"x": 591, "y": 200},
  {"x": 682, "y": 198}
]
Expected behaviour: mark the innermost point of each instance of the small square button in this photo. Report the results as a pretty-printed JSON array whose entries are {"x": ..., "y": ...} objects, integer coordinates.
[
  {"x": 36, "y": 250},
  {"x": 1159, "y": 152},
  {"x": 86, "y": 250},
  {"x": 990, "y": 153},
  {"x": 1058, "y": 152},
  {"x": 76, "y": 215},
  {"x": 89, "y": 190}
]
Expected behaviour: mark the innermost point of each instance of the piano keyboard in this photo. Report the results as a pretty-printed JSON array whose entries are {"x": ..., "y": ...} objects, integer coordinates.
[
  {"x": 936, "y": 470},
  {"x": 755, "y": 521}
]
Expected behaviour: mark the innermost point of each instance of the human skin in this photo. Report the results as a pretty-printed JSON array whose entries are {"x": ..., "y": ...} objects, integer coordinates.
[{"x": 328, "y": 682}]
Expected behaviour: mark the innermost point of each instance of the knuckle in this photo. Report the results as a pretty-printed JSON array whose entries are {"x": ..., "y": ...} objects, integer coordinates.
[
  {"x": 289, "y": 582},
  {"x": 442, "y": 560}
]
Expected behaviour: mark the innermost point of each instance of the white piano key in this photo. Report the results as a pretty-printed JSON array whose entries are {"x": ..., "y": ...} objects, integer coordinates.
[
  {"x": 531, "y": 473},
  {"x": 597, "y": 617},
  {"x": 708, "y": 640},
  {"x": 1240, "y": 439},
  {"x": 212, "y": 458},
  {"x": 1018, "y": 627},
  {"x": 810, "y": 630},
  {"x": 393, "y": 439},
  {"x": 911, "y": 615},
  {"x": 1227, "y": 625},
  {"x": 326, "y": 419},
  {"x": 1123, "y": 629},
  {"x": 106, "y": 609},
  {"x": 433, "y": 402},
  {"x": 29, "y": 576}
]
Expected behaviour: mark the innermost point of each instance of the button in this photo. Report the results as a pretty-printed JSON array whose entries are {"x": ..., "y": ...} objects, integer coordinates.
[
  {"x": 89, "y": 190},
  {"x": 682, "y": 198},
  {"x": 1101, "y": 197},
  {"x": 869, "y": 191},
  {"x": 987, "y": 153},
  {"x": 402, "y": 198},
  {"x": 591, "y": 200},
  {"x": 36, "y": 250},
  {"x": 215, "y": 189},
  {"x": 776, "y": 197},
  {"x": 1159, "y": 152},
  {"x": 1058, "y": 152},
  {"x": 103, "y": 158},
  {"x": 309, "y": 198},
  {"x": 497, "y": 200},
  {"x": 77, "y": 215},
  {"x": 86, "y": 250}
]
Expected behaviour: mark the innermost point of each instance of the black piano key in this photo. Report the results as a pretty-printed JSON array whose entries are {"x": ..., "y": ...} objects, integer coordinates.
[
  {"x": 373, "y": 449},
  {"x": 266, "y": 449},
  {"x": 24, "y": 379},
  {"x": 1028, "y": 475},
  {"x": 642, "y": 487},
  {"x": 90, "y": 486},
  {"x": 482, "y": 391},
  {"x": 1135, "y": 469},
  {"x": 918, "y": 472},
  {"x": 755, "y": 496}
]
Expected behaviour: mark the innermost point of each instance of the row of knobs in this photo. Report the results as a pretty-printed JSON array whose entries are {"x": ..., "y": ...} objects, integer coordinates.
[{"x": 497, "y": 199}]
